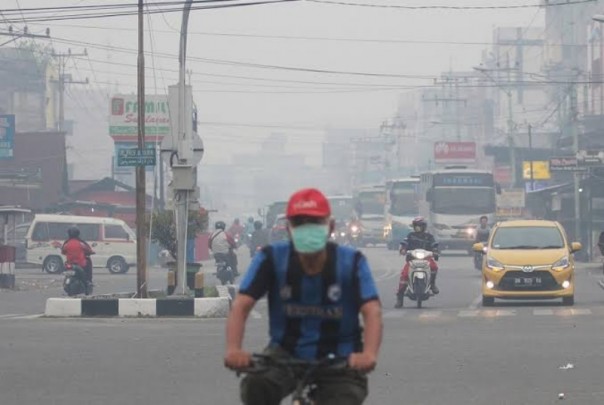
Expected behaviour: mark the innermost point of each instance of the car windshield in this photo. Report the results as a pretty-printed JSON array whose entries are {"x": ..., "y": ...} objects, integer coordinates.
[{"x": 525, "y": 237}]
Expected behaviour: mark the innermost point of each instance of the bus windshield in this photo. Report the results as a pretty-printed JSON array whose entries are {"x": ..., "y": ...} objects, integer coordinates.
[
  {"x": 342, "y": 208},
  {"x": 371, "y": 202},
  {"x": 404, "y": 198},
  {"x": 463, "y": 200}
]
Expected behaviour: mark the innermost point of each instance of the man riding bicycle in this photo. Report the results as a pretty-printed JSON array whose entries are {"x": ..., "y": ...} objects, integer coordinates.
[{"x": 316, "y": 290}]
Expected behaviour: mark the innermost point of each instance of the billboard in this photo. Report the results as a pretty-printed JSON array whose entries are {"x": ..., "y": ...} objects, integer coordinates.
[
  {"x": 454, "y": 152},
  {"x": 123, "y": 117},
  {"x": 7, "y": 136},
  {"x": 540, "y": 170}
]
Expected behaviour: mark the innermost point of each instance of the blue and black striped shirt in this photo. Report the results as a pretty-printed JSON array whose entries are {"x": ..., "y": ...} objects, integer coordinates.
[{"x": 312, "y": 316}]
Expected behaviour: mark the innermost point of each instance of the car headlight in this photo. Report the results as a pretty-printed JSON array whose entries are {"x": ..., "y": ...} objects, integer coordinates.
[
  {"x": 561, "y": 264},
  {"x": 494, "y": 264},
  {"x": 342, "y": 234},
  {"x": 470, "y": 231}
]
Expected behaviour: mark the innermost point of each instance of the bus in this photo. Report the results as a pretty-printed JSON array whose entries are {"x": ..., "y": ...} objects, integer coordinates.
[
  {"x": 370, "y": 200},
  {"x": 402, "y": 199},
  {"x": 453, "y": 199},
  {"x": 369, "y": 203},
  {"x": 342, "y": 208},
  {"x": 273, "y": 211}
]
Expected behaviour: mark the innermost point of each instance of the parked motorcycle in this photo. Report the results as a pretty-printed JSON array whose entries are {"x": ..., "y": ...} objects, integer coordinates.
[
  {"x": 419, "y": 288},
  {"x": 75, "y": 282}
]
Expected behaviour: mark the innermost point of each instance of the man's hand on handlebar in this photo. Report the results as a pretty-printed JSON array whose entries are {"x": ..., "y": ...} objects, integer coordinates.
[
  {"x": 237, "y": 359},
  {"x": 363, "y": 361}
]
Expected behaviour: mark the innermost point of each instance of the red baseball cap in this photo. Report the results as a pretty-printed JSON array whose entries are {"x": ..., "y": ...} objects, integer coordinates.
[{"x": 308, "y": 202}]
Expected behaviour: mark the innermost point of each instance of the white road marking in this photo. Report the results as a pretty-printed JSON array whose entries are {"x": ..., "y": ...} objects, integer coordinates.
[
  {"x": 10, "y": 315},
  {"x": 430, "y": 315},
  {"x": 21, "y": 316},
  {"x": 505, "y": 312},
  {"x": 543, "y": 312},
  {"x": 580, "y": 311},
  {"x": 255, "y": 314},
  {"x": 468, "y": 314},
  {"x": 394, "y": 314},
  {"x": 476, "y": 302}
]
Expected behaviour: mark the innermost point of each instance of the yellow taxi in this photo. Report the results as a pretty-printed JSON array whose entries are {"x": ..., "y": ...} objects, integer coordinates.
[{"x": 528, "y": 259}]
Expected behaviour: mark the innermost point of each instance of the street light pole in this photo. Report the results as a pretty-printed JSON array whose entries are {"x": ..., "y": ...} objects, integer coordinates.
[
  {"x": 141, "y": 240},
  {"x": 184, "y": 148}
]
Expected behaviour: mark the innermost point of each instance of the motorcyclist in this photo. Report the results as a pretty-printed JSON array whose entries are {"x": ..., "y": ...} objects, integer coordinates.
[
  {"x": 236, "y": 229},
  {"x": 259, "y": 238},
  {"x": 223, "y": 246},
  {"x": 482, "y": 236},
  {"x": 483, "y": 230},
  {"x": 418, "y": 239},
  {"x": 78, "y": 252},
  {"x": 249, "y": 226}
]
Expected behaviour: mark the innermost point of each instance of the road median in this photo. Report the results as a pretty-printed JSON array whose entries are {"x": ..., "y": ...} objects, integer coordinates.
[{"x": 215, "y": 307}]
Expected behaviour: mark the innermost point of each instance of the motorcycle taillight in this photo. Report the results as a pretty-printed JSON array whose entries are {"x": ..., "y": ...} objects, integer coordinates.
[{"x": 69, "y": 266}]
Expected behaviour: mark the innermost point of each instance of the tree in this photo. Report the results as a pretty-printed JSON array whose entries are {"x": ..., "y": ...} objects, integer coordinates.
[{"x": 163, "y": 228}]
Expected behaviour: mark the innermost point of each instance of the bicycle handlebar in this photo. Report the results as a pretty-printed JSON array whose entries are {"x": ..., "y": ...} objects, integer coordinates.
[{"x": 262, "y": 362}]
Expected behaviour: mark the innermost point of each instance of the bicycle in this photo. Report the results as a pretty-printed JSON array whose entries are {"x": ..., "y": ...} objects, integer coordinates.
[{"x": 304, "y": 371}]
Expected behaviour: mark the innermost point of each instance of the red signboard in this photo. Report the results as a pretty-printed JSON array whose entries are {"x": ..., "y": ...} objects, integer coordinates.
[
  {"x": 454, "y": 152},
  {"x": 502, "y": 175}
]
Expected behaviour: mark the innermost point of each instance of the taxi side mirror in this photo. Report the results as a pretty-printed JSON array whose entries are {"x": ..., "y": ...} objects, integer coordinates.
[
  {"x": 478, "y": 247},
  {"x": 575, "y": 247}
]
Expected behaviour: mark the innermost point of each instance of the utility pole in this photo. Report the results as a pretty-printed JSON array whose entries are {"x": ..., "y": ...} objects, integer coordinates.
[
  {"x": 530, "y": 139},
  {"x": 63, "y": 79},
  {"x": 19, "y": 35},
  {"x": 511, "y": 126},
  {"x": 449, "y": 80},
  {"x": 577, "y": 175},
  {"x": 141, "y": 233}
]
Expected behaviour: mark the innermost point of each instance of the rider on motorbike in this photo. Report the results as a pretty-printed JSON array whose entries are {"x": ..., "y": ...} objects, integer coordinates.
[
  {"x": 236, "y": 229},
  {"x": 259, "y": 238},
  {"x": 483, "y": 230},
  {"x": 249, "y": 226},
  {"x": 78, "y": 252},
  {"x": 223, "y": 246},
  {"x": 418, "y": 239}
]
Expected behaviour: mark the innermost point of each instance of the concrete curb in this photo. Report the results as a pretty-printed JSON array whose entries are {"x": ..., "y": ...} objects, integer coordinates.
[
  {"x": 227, "y": 291},
  {"x": 134, "y": 308}
]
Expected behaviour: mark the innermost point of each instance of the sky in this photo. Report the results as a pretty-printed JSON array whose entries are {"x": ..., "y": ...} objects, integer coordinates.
[{"x": 239, "y": 105}]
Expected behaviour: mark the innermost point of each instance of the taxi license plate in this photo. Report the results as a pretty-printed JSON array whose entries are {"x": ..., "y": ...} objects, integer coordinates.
[{"x": 527, "y": 281}]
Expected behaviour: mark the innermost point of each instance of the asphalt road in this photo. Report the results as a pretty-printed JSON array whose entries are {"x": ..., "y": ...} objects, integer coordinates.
[{"x": 451, "y": 352}]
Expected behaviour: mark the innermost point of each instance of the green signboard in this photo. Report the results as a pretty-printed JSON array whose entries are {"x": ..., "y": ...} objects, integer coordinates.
[{"x": 136, "y": 157}]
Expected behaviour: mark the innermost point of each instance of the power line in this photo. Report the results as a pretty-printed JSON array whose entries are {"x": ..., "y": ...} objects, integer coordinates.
[
  {"x": 84, "y": 16},
  {"x": 308, "y": 38},
  {"x": 446, "y": 7}
]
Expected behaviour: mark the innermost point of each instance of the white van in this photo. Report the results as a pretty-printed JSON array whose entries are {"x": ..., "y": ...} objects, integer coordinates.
[{"x": 112, "y": 239}]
